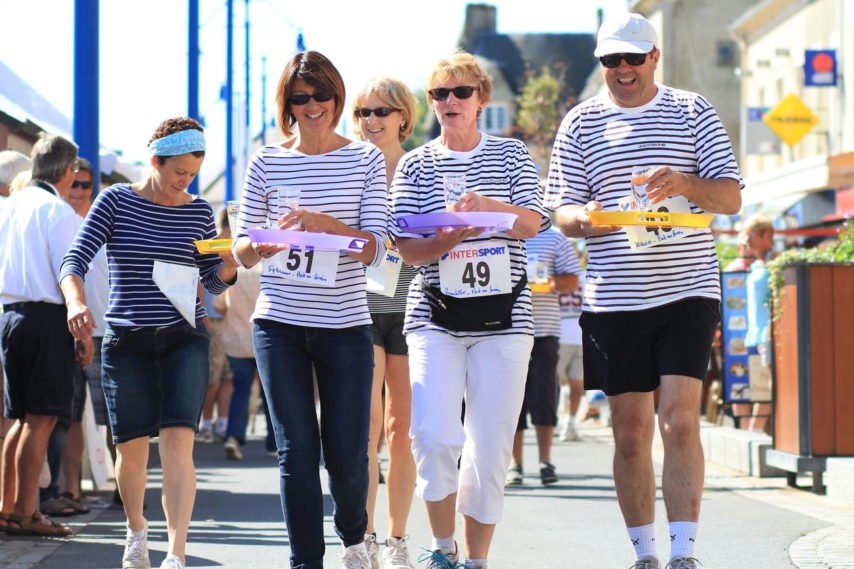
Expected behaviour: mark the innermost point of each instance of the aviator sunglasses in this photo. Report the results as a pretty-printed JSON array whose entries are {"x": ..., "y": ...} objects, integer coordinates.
[
  {"x": 381, "y": 112},
  {"x": 612, "y": 60},
  {"x": 461, "y": 92},
  {"x": 84, "y": 185},
  {"x": 302, "y": 98}
]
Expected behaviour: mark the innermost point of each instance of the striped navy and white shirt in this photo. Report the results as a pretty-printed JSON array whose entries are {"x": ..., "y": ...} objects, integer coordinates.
[
  {"x": 594, "y": 151},
  {"x": 381, "y": 304},
  {"x": 498, "y": 168},
  {"x": 553, "y": 250},
  {"x": 349, "y": 184},
  {"x": 136, "y": 233}
]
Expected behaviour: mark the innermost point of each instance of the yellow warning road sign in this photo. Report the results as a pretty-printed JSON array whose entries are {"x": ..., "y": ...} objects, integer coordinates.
[{"x": 791, "y": 119}]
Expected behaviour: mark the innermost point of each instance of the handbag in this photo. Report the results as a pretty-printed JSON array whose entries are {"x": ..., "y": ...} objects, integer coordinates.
[{"x": 474, "y": 314}]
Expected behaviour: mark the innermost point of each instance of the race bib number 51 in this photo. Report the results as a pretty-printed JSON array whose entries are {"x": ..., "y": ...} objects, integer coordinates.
[
  {"x": 476, "y": 269},
  {"x": 310, "y": 266}
]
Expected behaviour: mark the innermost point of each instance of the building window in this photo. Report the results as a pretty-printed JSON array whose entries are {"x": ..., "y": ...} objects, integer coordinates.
[{"x": 493, "y": 119}]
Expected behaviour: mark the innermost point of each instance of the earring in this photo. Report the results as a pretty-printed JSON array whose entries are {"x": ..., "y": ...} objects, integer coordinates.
[{"x": 402, "y": 125}]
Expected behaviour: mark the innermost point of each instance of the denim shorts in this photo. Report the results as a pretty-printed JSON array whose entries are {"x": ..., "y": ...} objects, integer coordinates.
[{"x": 154, "y": 378}]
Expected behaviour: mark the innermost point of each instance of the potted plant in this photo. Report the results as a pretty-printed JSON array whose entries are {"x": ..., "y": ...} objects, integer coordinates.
[{"x": 813, "y": 338}]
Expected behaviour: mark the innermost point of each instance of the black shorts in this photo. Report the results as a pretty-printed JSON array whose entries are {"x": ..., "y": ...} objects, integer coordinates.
[
  {"x": 630, "y": 351},
  {"x": 387, "y": 331},
  {"x": 541, "y": 387},
  {"x": 38, "y": 358}
]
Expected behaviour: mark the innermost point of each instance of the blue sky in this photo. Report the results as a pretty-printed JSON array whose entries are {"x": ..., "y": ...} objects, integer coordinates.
[{"x": 144, "y": 45}]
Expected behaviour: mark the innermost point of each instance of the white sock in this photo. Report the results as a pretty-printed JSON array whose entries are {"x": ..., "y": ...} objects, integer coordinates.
[
  {"x": 476, "y": 564},
  {"x": 138, "y": 534},
  {"x": 206, "y": 423},
  {"x": 643, "y": 540},
  {"x": 444, "y": 545},
  {"x": 173, "y": 556},
  {"x": 682, "y": 538},
  {"x": 221, "y": 423},
  {"x": 570, "y": 420}
]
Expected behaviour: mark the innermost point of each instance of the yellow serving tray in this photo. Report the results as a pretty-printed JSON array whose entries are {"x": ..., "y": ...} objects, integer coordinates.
[
  {"x": 650, "y": 218},
  {"x": 213, "y": 245}
]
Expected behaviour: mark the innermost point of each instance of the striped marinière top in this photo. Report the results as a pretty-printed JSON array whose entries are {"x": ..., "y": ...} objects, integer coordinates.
[
  {"x": 137, "y": 232},
  {"x": 380, "y": 304},
  {"x": 499, "y": 168},
  {"x": 349, "y": 184},
  {"x": 554, "y": 250},
  {"x": 594, "y": 151}
]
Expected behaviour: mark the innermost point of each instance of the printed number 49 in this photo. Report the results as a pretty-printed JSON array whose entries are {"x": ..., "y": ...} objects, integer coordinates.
[{"x": 476, "y": 274}]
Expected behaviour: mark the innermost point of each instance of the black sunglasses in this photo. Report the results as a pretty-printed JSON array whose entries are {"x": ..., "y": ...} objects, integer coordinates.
[
  {"x": 461, "y": 92},
  {"x": 302, "y": 98},
  {"x": 612, "y": 60},
  {"x": 84, "y": 185},
  {"x": 365, "y": 112}
]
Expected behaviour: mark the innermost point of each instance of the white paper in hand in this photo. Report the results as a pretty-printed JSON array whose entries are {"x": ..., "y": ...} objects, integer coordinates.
[
  {"x": 383, "y": 279},
  {"x": 180, "y": 285}
]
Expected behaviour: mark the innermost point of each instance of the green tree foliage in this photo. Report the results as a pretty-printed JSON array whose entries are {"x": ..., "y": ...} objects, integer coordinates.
[
  {"x": 419, "y": 134},
  {"x": 538, "y": 115}
]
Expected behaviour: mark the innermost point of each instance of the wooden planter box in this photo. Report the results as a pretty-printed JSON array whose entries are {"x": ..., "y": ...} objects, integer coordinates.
[{"x": 814, "y": 362}]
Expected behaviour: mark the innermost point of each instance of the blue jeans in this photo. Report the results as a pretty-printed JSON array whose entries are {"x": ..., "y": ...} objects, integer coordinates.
[
  {"x": 343, "y": 360},
  {"x": 243, "y": 372}
]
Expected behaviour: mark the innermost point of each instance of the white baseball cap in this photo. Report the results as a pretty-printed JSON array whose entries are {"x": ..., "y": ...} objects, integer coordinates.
[{"x": 625, "y": 33}]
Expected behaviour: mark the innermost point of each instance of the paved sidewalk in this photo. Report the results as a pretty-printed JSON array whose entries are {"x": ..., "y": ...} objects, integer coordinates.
[{"x": 237, "y": 522}]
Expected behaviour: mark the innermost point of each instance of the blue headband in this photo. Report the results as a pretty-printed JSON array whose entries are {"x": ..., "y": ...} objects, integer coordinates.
[{"x": 181, "y": 142}]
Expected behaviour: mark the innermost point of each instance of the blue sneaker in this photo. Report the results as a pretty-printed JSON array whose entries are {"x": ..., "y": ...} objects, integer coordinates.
[{"x": 438, "y": 560}]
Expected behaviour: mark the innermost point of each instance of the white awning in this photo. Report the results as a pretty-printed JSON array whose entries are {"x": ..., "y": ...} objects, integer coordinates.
[{"x": 797, "y": 178}]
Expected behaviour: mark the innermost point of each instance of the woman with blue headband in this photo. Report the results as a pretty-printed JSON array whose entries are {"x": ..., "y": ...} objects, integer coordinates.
[{"x": 155, "y": 347}]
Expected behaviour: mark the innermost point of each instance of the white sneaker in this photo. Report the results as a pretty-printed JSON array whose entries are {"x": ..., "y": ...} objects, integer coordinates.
[
  {"x": 205, "y": 434},
  {"x": 232, "y": 449},
  {"x": 172, "y": 562},
  {"x": 645, "y": 563},
  {"x": 373, "y": 549},
  {"x": 683, "y": 563},
  {"x": 396, "y": 554},
  {"x": 355, "y": 557},
  {"x": 569, "y": 433},
  {"x": 136, "y": 551}
]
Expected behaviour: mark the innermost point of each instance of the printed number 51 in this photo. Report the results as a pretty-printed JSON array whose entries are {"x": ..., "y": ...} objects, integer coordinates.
[{"x": 295, "y": 259}]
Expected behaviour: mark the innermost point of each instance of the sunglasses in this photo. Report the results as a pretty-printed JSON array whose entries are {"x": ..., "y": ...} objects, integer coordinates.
[
  {"x": 612, "y": 60},
  {"x": 84, "y": 185},
  {"x": 441, "y": 93},
  {"x": 302, "y": 98},
  {"x": 365, "y": 112}
]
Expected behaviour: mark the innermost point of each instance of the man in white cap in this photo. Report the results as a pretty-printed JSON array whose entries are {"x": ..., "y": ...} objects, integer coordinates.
[{"x": 652, "y": 299}]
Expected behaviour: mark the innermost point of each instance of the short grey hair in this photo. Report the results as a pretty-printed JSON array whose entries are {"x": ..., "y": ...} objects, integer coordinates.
[
  {"x": 52, "y": 155},
  {"x": 12, "y": 162}
]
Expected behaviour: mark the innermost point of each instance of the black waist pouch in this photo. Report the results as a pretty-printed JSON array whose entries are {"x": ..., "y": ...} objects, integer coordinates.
[{"x": 475, "y": 314}]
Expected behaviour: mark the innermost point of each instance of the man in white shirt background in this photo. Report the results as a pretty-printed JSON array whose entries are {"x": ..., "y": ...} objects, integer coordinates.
[{"x": 38, "y": 353}]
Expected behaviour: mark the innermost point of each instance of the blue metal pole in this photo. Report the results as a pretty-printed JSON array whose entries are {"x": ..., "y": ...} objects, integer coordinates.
[
  {"x": 264, "y": 100},
  {"x": 229, "y": 103},
  {"x": 85, "y": 124},
  {"x": 193, "y": 72},
  {"x": 247, "y": 135}
]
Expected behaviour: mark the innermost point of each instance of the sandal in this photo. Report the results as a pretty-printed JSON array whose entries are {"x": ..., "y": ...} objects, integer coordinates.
[
  {"x": 4, "y": 520},
  {"x": 36, "y": 524},
  {"x": 56, "y": 508},
  {"x": 77, "y": 505}
]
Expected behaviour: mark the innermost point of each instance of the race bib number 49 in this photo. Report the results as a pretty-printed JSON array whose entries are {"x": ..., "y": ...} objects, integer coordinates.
[{"x": 476, "y": 269}]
